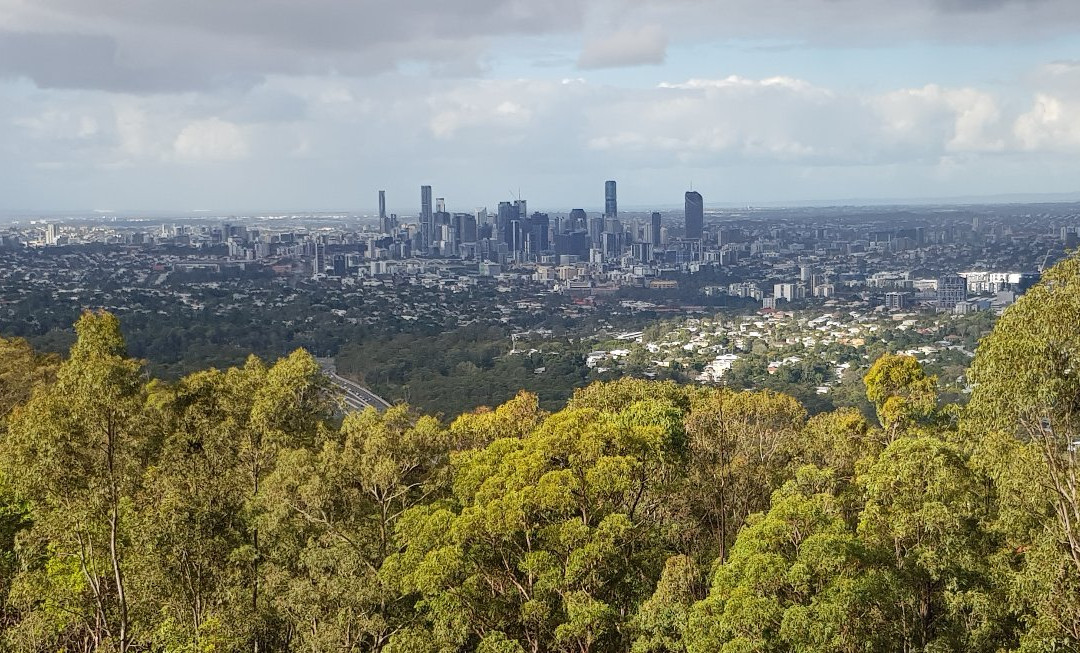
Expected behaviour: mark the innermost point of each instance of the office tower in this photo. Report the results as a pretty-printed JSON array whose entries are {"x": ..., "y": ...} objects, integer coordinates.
[
  {"x": 596, "y": 227},
  {"x": 385, "y": 225},
  {"x": 466, "y": 226},
  {"x": 515, "y": 235},
  {"x": 482, "y": 217},
  {"x": 951, "y": 290},
  {"x": 654, "y": 230},
  {"x": 318, "y": 263},
  {"x": 440, "y": 205},
  {"x": 339, "y": 265},
  {"x": 574, "y": 243},
  {"x": 611, "y": 205},
  {"x": 427, "y": 224},
  {"x": 694, "y": 214},
  {"x": 578, "y": 220},
  {"x": 508, "y": 212},
  {"x": 537, "y": 238}
]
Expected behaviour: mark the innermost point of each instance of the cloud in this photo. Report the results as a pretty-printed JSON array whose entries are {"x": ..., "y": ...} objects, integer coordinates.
[
  {"x": 631, "y": 47},
  {"x": 211, "y": 140},
  {"x": 1052, "y": 124},
  {"x": 165, "y": 46}
]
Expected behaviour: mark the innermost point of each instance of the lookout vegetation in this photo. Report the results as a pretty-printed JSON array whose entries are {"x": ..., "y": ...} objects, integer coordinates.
[{"x": 237, "y": 511}]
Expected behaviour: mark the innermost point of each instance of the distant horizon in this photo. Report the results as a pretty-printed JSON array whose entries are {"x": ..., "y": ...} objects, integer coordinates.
[{"x": 1002, "y": 199}]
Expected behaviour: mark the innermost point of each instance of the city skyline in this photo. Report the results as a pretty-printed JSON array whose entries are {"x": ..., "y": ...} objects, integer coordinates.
[{"x": 191, "y": 106}]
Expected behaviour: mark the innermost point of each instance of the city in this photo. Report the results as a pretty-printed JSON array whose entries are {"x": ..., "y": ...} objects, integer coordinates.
[
  {"x": 504, "y": 326},
  {"x": 233, "y": 285}
]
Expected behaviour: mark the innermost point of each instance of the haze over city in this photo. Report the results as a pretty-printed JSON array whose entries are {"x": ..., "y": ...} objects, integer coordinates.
[{"x": 247, "y": 105}]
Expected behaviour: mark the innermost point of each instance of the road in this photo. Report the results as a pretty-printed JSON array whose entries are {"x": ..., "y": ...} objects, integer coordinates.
[{"x": 355, "y": 396}]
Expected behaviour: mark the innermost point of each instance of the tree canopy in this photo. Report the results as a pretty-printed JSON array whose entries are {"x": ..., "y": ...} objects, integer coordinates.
[{"x": 244, "y": 510}]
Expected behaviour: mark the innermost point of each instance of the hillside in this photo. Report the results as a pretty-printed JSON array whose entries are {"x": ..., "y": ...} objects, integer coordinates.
[{"x": 236, "y": 510}]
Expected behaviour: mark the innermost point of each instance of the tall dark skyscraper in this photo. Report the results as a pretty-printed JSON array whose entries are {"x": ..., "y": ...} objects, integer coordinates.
[
  {"x": 611, "y": 205},
  {"x": 654, "y": 229},
  {"x": 427, "y": 218},
  {"x": 695, "y": 214},
  {"x": 384, "y": 224}
]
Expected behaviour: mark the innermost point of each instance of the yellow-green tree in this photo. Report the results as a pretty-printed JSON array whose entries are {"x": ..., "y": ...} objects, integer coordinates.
[
  {"x": 901, "y": 392},
  {"x": 74, "y": 453},
  {"x": 1024, "y": 424}
]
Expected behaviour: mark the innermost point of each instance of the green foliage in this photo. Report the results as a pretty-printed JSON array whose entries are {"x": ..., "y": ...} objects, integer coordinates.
[
  {"x": 240, "y": 510},
  {"x": 1022, "y": 426},
  {"x": 901, "y": 392}
]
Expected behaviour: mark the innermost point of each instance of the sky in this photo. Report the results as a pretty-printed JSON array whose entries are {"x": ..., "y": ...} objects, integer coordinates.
[{"x": 245, "y": 105}]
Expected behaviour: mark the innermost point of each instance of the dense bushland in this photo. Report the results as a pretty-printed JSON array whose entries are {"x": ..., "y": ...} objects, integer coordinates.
[{"x": 237, "y": 511}]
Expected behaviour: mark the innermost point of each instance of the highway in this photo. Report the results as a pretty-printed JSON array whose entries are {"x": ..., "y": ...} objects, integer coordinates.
[{"x": 355, "y": 396}]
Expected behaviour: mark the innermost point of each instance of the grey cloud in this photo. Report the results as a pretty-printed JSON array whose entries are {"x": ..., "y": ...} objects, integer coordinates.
[
  {"x": 630, "y": 47},
  {"x": 96, "y": 62},
  {"x": 154, "y": 46},
  {"x": 164, "y": 45},
  {"x": 979, "y": 5},
  {"x": 333, "y": 25}
]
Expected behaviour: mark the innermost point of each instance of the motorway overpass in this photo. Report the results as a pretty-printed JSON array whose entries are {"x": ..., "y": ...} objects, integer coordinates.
[{"x": 355, "y": 396}]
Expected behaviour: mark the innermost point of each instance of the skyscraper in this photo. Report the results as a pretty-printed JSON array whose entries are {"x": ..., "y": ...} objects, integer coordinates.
[
  {"x": 52, "y": 234},
  {"x": 384, "y": 224},
  {"x": 654, "y": 230},
  {"x": 318, "y": 262},
  {"x": 578, "y": 220},
  {"x": 427, "y": 221},
  {"x": 611, "y": 204},
  {"x": 694, "y": 214}
]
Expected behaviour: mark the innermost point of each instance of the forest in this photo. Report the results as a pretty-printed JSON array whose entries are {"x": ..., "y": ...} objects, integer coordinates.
[{"x": 240, "y": 510}]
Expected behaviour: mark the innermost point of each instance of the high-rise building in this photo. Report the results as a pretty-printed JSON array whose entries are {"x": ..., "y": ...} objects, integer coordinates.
[
  {"x": 427, "y": 218},
  {"x": 654, "y": 230},
  {"x": 694, "y": 214},
  {"x": 52, "y": 234},
  {"x": 318, "y": 262},
  {"x": 786, "y": 291},
  {"x": 385, "y": 225},
  {"x": 596, "y": 227},
  {"x": 339, "y": 265},
  {"x": 951, "y": 290},
  {"x": 465, "y": 227},
  {"x": 440, "y": 205},
  {"x": 508, "y": 212},
  {"x": 578, "y": 220},
  {"x": 537, "y": 238},
  {"x": 611, "y": 204}
]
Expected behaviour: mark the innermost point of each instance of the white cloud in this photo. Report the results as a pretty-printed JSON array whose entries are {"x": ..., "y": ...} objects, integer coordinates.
[
  {"x": 958, "y": 119},
  {"x": 211, "y": 140},
  {"x": 1051, "y": 124},
  {"x": 487, "y": 108},
  {"x": 773, "y": 136}
]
